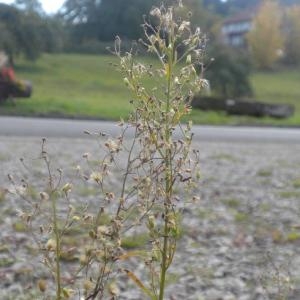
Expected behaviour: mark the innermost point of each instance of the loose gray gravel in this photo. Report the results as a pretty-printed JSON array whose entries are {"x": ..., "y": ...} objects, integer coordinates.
[{"x": 241, "y": 240}]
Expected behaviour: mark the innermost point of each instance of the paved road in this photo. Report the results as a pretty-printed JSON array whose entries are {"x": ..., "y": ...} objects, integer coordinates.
[{"x": 19, "y": 126}]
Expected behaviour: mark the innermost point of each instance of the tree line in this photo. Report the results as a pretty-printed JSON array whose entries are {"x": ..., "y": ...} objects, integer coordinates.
[
  {"x": 275, "y": 35},
  {"x": 27, "y": 30},
  {"x": 89, "y": 26}
]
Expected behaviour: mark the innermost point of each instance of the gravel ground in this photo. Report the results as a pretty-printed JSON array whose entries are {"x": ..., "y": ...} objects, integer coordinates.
[{"x": 241, "y": 240}]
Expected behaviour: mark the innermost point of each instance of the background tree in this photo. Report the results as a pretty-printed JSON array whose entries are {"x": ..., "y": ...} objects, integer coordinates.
[
  {"x": 79, "y": 11},
  {"x": 229, "y": 72},
  {"x": 30, "y": 6},
  {"x": 11, "y": 24},
  {"x": 31, "y": 39},
  {"x": 234, "y": 6},
  {"x": 292, "y": 35},
  {"x": 226, "y": 8},
  {"x": 201, "y": 16},
  {"x": 103, "y": 20},
  {"x": 289, "y": 2},
  {"x": 265, "y": 39},
  {"x": 7, "y": 41},
  {"x": 29, "y": 33},
  {"x": 216, "y": 6}
]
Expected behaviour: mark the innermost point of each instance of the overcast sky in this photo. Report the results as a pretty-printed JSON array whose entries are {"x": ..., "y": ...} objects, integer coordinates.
[{"x": 50, "y": 6}]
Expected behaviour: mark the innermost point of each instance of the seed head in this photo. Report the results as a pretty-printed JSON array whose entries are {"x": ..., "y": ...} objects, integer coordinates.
[
  {"x": 83, "y": 259},
  {"x": 102, "y": 230},
  {"x": 76, "y": 218},
  {"x": 155, "y": 12},
  {"x": 113, "y": 289},
  {"x": 88, "y": 285},
  {"x": 185, "y": 25},
  {"x": 44, "y": 196},
  {"x": 67, "y": 188},
  {"x": 51, "y": 245},
  {"x": 67, "y": 293},
  {"x": 112, "y": 146},
  {"x": 189, "y": 59},
  {"x": 42, "y": 285},
  {"x": 96, "y": 176}
]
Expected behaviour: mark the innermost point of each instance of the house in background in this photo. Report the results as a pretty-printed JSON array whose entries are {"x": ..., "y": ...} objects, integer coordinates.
[{"x": 235, "y": 28}]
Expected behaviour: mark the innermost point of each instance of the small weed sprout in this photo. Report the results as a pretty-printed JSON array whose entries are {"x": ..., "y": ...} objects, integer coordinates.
[{"x": 159, "y": 158}]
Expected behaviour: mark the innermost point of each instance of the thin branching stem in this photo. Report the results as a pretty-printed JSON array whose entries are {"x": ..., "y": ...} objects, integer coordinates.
[{"x": 168, "y": 175}]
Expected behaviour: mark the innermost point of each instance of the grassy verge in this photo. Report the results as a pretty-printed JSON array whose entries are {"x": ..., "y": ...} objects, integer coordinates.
[
  {"x": 88, "y": 86},
  {"x": 72, "y": 85}
]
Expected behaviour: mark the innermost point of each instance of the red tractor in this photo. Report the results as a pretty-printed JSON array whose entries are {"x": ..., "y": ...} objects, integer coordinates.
[
  {"x": 10, "y": 86},
  {"x": 9, "y": 90}
]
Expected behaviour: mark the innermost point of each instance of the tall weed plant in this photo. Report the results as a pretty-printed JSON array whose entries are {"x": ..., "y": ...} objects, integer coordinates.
[{"x": 159, "y": 158}]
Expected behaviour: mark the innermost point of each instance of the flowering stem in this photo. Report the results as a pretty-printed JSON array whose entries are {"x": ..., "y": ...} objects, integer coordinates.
[
  {"x": 162, "y": 159},
  {"x": 168, "y": 187},
  {"x": 57, "y": 250}
]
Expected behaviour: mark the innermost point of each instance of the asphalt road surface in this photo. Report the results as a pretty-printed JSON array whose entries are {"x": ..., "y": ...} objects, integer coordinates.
[{"x": 42, "y": 127}]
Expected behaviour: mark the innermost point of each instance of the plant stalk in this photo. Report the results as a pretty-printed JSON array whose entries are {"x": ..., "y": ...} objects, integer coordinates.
[
  {"x": 57, "y": 251},
  {"x": 168, "y": 187}
]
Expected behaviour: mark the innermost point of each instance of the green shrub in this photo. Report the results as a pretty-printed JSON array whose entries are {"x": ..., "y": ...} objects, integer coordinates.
[{"x": 228, "y": 72}]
